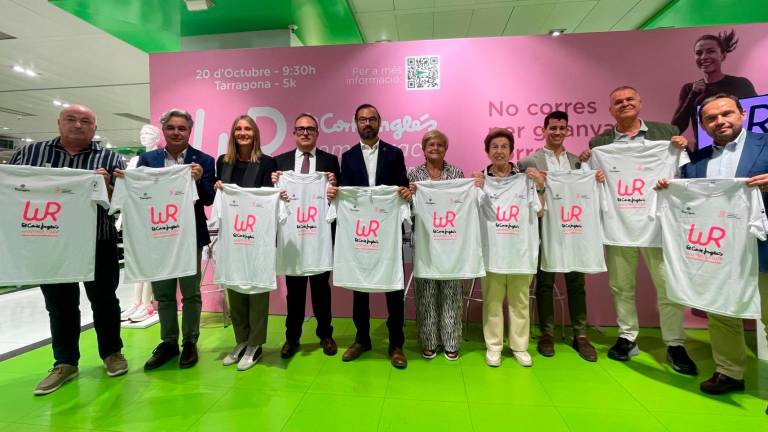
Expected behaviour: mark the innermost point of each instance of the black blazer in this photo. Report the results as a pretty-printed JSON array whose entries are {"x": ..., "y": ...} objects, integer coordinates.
[
  {"x": 326, "y": 162},
  {"x": 390, "y": 167},
  {"x": 205, "y": 191},
  {"x": 257, "y": 174}
]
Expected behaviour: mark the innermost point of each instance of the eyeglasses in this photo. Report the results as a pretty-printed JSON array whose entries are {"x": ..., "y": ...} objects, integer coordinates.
[
  {"x": 300, "y": 130},
  {"x": 369, "y": 120}
]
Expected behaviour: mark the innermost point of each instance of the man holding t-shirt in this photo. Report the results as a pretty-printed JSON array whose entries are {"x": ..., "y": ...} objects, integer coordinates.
[{"x": 625, "y": 106}]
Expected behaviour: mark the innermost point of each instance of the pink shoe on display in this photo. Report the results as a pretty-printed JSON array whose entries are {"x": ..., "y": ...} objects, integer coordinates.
[
  {"x": 142, "y": 313},
  {"x": 126, "y": 315}
]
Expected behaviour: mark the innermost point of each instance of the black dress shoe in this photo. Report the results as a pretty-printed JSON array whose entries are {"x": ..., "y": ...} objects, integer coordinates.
[
  {"x": 721, "y": 384},
  {"x": 546, "y": 345},
  {"x": 160, "y": 356},
  {"x": 623, "y": 349},
  {"x": 677, "y": 356},
  {"x": 289, "y": 349},
  {"x": 188, "y": 356},
  {"x": 329, "y": 346}
]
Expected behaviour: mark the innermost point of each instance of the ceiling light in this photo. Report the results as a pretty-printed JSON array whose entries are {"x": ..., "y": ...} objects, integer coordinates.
[
  {"x": 556, "y": 32},
  {"x": 30, "y": 72},
  {"x": 28, "y": 139},
  {"x": 18, "y": 68},
  {"x": 57, "y": 103},
  {"x": 5, "y": 128},
  {"x": 198, "y": 5},
  {"x": 109, "y": 145},
  {"x": 65, "y": 105},
  {"x": 97, "y": 137}
]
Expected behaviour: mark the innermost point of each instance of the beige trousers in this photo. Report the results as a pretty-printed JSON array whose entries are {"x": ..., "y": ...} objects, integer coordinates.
[
  {"x": 516, "y": 290},
  {"x": 726, "y": 335},
  {"x": 622, "y": 271}
]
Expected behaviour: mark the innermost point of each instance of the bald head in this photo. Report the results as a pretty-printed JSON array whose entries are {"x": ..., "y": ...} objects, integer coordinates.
[{"x": 77, "y": 126}]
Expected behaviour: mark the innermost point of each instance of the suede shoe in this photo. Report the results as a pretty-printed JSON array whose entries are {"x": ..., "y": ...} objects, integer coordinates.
[
  {"x": 546, "y": 345},
  {"x": 116, "y": 364},
  {"x": 57, "y": 377},
  {"x": 584, "y": 348},
  {"x": 677, "y": 356},
  {"x": 721, "y": 384},
  {"x": 188, "y": 356},
  {"x": 161, "y": 354}
]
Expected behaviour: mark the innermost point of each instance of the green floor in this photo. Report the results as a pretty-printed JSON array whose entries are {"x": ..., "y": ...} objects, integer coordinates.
[{"x": 316, "y": 393}]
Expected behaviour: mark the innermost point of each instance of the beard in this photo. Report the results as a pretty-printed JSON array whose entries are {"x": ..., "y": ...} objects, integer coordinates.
[{"x": 368, "y": 132}]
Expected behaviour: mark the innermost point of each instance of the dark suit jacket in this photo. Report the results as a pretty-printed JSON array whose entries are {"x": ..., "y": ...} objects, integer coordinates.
[
  {"x": 390, "y": 167},
  {"x": 753, "y": 161},
  {"x": 325, "y": 162},
  {"x": 205, "y": 192},
  {"x": 256, "y": 175},
  {"x": 656, "y": 132}
]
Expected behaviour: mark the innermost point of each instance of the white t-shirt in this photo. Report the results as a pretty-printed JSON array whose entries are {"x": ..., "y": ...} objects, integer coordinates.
[
  {"x": 48, "y": 218},
  {"x": 571, "y": 224},
  {"x": 368, "y": 254},
  {"x": 248, "y": 219},
  {"x": 304, "y": 246},
  {"x": 710, "y": 229},
  {"x": 447, "y": 230},
  {"x": 159, "y": 235},
  {"x": 510, "y": 225},
  {"x": 631, "y": 172}
]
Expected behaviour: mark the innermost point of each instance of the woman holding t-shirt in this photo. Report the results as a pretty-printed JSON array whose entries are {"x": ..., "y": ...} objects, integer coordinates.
[
  {"x": 710, "y": 52},
  {"x": 246, "y": 166}
]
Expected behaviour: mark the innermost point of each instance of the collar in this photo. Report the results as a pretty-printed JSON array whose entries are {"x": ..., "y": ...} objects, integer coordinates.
[
  {"x": 370, "y": 148},
  {"x": 91, "y": 147},
  {"x": 643, "y": 128},
  {"x": 300, "y": 153},
  {"x": 732, "y": 145},
  {"x": 181, "y": 156},
  {"x": 552, "y": 153}
]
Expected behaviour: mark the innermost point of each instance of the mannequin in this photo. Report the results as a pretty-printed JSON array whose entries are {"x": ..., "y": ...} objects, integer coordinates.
[{"x": 143, "y": 306}]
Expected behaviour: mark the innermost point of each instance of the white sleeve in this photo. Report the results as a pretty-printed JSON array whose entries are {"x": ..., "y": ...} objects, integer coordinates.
[
  {"x": 605, "y": 196},
  {"x": 682, "y": 159},
  {"x": 330, "y": 216},
  {"x": 192, "y": 184},
  {"x": 655, "y": 208},
  {"x": 533, "y": 197},
  {"x": 758, "y": 223},
  {"x": 405, "y": 212},
  {"x": 118, "y": 195},
  {"x": 283, "y": 210},
  {"x": 216, "y": 210},
  {"x": 592, "y": 164},
  {"x": 99, "y": 191}
]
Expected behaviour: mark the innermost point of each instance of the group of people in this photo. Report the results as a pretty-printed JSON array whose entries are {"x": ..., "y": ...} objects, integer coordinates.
[{"x": 373, "y": 162}]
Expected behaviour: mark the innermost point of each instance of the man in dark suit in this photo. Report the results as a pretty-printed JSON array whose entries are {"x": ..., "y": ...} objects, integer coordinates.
[
  {"x": 373, "y": 162},
  {"x": 625, "y": 106},
  {"x": 177, "y": 126},
  {"x": 307, "y": 158},
  {"x": 735, "y": 153}
]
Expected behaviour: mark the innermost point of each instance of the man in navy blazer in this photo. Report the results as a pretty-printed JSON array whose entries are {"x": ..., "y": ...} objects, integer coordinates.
[
  {"x": 722, "y": 116},
  {"x": 177, "y": 126},
  {"x": 372, "y": 162},
  {"x": 307, "y": 158}
]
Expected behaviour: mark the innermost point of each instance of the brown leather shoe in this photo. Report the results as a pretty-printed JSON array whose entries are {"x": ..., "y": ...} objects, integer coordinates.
[
  {"x": 289, "y": 349},
  {"x": 398, "y": 358},
  {"x": 354, "y": 351},
  {"x": 546, "y": 345},
  {"x": 329, "y": 346},
  {"x": 721, "y": 384},
  {"x": 584, "y": 348}
]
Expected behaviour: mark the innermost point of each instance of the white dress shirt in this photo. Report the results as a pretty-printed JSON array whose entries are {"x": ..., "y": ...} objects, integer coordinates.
[
  {"x": 300, "y": 158},
  {"x": 371, "y": 157},
  {"x": 725, "y": 159},
  {"x": 171, "y": 161},
  {"x": 554, "y": 163}
]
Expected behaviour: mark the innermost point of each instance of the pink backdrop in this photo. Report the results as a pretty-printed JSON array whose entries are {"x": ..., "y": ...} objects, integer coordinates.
[{"x": 479, "y": 84}]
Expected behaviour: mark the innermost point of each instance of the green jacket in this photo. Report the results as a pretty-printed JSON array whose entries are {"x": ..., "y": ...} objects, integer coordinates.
[{"x": 656, "y": 132}]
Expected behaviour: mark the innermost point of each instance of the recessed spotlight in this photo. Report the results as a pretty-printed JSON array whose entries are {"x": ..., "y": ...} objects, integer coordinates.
[
  {"x": 19, "y": 69},
  {"x": 30, "y": 72},
  {"x": 57, "y": 103},
  {"x": 556, "y": 32},
  {"x": 5, "y": 128}
]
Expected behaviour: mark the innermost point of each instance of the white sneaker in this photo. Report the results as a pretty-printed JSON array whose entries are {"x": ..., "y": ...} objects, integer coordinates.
[
  {"x": 126, "y": 315},
  {"x": 523, "y": 358},
  {"x": 493, "y": 358},
  {"x": 142, "y": 313},
  {"x": 251, "y": 357},
  {"x": 235, "y": 355}
]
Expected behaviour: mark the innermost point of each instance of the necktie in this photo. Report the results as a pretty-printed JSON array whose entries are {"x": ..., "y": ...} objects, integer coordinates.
[{"x": 305, "y": 164}]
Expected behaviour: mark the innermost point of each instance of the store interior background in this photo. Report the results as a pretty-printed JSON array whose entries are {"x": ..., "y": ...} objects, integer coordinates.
[{"x": 96, "y": 53}]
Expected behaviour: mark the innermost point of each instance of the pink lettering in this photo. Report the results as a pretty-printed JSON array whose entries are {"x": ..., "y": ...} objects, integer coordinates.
[
  {"x": 715, "y": 235},
  {"x": 504, "y": 216},
  {"x": 245, "y": 225},
  {"x": 575, "y": 213},
  {"x": 366, "y": 231},
  {"x": 310, "y": 214},
  {"x": 637, "y": 187},
  {"x": 442, "y": 222},
  {"x": 171, "y": 210},
  {"x": 52, "y": 209}
]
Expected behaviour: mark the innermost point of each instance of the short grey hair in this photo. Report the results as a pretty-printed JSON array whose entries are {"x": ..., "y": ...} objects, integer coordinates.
[{"x": 177, "y": 112}]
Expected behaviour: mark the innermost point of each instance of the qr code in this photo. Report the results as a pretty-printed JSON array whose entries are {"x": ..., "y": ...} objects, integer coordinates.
[{"x": 422, "y": 72}]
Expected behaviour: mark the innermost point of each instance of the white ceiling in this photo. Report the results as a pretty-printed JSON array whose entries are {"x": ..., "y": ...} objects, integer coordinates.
[
  {"x": 78, "y": 63},
  {"x": 435, "y": 19}
]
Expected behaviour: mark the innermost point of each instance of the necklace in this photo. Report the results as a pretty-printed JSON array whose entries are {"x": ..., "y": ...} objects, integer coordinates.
[{"x": 498, "y": 173}]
